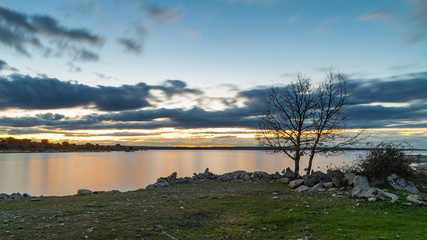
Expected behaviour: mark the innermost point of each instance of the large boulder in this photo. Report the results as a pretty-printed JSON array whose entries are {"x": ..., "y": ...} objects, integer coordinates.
[
  {"x": 415, "y": 199},
  {"x": 84, "y": 192},
  {"x": 284, "y": 180},
  {"x": 4, "y": 196},
  {"x": 382, "y": 193},
  {"x": 335, "y": 174},
  {"x": 311, "y": 180},
  {"x": 162, "y": 182},
  {"x": 208, "y": 174},
  {"x": 362, "y": 188},
  {"x": 302, "y": 188},
  {"x": 349, "y": 177},
  {"x": 296, "y": 183},
  {"x": 172, "y": 178},
  {"x": 288, "y": 173},
  {"x": 401, "y": 184},
  {"x": 317, "y": 188}
]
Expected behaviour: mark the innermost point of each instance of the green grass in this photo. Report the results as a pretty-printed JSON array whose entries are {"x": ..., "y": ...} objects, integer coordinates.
[{"x": 211, "y": 210}]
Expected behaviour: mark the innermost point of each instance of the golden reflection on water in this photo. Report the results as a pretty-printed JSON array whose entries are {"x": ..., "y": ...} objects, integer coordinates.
[{"x": 65, "y": 173}]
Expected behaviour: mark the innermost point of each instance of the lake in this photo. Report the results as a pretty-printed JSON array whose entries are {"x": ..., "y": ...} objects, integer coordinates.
[{"x": 64, "y": 173}]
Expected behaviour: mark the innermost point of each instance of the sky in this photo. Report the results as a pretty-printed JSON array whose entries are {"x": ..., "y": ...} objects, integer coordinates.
[{"x": 196, "y": 73}]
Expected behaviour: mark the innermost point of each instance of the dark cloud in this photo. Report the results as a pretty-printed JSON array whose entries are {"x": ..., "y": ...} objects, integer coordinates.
[
  {"x": 19, "y": 31},
  {"x": 176, "y": 87},
  {"x": 3, "y": 65},
  {"x": 85, "y": 55},
  {"x": 50, "y": 116},
  {"x": 164, "y": 15},
  {"x": 25, "y": 92},
  {"x": 399, "y": 89},
  {"x": 255, "y": 98},
  {"x": 130, "y": 45},
  {"x": 126, "y": 105}
]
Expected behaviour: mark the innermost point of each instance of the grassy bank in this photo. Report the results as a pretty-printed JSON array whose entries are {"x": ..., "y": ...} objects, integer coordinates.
[{"x": 211, "y": 210}]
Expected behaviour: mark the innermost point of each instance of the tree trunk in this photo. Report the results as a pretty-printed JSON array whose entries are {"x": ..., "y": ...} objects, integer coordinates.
[
  {"x": 296, "y": 170},
  {"x": 310, "y": 163}
]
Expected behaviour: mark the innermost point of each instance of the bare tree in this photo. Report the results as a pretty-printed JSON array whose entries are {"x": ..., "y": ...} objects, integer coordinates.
[{"x": 302, "y": 119}]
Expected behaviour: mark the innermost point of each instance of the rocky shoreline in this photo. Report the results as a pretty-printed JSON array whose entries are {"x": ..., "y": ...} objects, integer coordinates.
[{"x": 332, "y": 181}]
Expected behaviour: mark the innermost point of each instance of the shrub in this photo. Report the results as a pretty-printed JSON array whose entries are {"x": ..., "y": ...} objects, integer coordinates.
[{"x": 385, "y": 159}]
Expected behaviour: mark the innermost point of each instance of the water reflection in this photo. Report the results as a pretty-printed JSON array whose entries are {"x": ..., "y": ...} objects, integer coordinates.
[{"x": 65, "y": 173}]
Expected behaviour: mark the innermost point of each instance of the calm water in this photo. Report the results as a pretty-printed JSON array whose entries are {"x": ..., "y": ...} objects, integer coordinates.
[{"x": 65, "y": 173}]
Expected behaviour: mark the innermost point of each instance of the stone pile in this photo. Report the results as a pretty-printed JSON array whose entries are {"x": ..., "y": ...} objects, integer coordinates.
[
  {"x": 333, "y": 180},
  {"x": 236, "y": 176},
  {"x": 14, "y": 196}
]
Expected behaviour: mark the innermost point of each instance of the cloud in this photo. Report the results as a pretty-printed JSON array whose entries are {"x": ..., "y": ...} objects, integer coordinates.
[
  {"x": 176, "y": 87},
  {"x": 419, "y": 32},
  {"x": 73, "y": 67},
  {"x": 3, "y": 65},
  {"x": 85, "y": 55},
  {"x": 21, "y": 31},
  {"x": 130, "y": 45},
  {"x": 380, "y": 16},
  {"x": 25, "y": 92},
  {"x": 164, "y": 15},
  {"x": 104, "y": 77},
  {"x": 374, "y": 103},
  {"x": 83, "y": 7},
  {"x": 399, "y": 89}
]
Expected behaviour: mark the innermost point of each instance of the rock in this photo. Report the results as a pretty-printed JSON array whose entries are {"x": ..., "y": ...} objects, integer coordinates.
[
  {"x": 225, "y": 178},
  {"x": 362, "y": 188},
  {"x": 262, "y": 175},
  {"x": 172, "y": 178},
  {"x": 150, "y": 186},
  {"x": 84, "y": 192},
  {"x": 26, "y": 195},
  {"x": 284, "y": 180},
  {"x": 335, "y": 174},
  {"x": 349, "y": 177},
  {"x": 302, "y": 188},
  {"x": 199, "y": 176},
  {"x": 16, "y": 196},
  {"x": 247, "y": 177},
  {"x": 317, "y": 188},
  {"x": 117, "y": 191},
  {"x": 415, "y": 199},
  {"x": 332, "y": 189},
  {"x": 311, "y": 180},
  {"x": 382, "y": 193},
  {"x": 4, "y": 196},
  {"x": 338, "y": 182},
  {"x": 35, "y": 199},
  {"x": 328, "y": 184},
  {"x": 401, "y": 184},
  {"x": 372, "y": 199},
  {"x": 276, "y": 175},
  {"x": 161, "y": 182},
  {"x": 288, "y": 173},
  {"x": 296, "y": 183}
]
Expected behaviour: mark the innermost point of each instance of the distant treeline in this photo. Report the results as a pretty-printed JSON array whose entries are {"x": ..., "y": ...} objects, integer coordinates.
[{"x": 27, "y": 145}]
